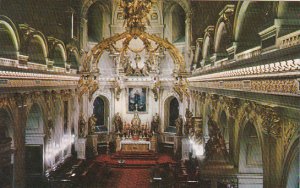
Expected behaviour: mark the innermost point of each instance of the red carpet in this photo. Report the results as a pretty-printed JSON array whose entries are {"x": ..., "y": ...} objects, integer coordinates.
[
  {"x": 129, "y": 178},
  {"x": 133, "y": 173},
  {"x": 161, "y": 159}
]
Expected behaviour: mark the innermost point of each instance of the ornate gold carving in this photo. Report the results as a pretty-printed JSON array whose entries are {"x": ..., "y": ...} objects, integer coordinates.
[
  {"x": 289, "y": 130},
  {"x": 271, "y": 121},
  {"x": 4, "y": 102},
  {"x": 181, "y": 88},
  {"x": 108, "y": 44},
  {"x": 232, "y": 105},
  {"x": 136, "y": 13},
  {"x": 88, "y": 84},
  {"x": 280, "y": 86}
]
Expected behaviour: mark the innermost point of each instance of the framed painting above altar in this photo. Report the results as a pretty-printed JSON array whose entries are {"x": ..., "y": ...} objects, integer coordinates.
[{"x": 137, "y": 100}]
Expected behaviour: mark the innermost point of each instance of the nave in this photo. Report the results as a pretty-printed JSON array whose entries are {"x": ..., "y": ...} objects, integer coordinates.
[{"x": 149, "y": 93}]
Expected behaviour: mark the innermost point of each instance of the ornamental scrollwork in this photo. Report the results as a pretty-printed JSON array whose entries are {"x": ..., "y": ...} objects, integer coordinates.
[
  {"x": 281, "y": 86},
  {"x": 271, "y": 124},
  {"x": 232, "y": 105}
]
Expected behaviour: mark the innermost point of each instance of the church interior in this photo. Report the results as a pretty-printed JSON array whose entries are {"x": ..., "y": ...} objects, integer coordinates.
[{"x": 149, "y": 93}]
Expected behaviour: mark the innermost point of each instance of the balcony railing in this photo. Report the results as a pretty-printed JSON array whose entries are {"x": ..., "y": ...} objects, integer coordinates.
[
  {"x": 8, "y": 62},
  {"x": 289, "y": 40}
]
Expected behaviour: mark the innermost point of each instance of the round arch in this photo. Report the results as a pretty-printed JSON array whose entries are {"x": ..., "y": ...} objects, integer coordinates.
[
  {"x": 88, "y": 4},
  {"x": 290, "y": 173},
  {"x": 35, "y": 120},
  {"x": 96, "y": 52},
  {"x": 222, "y": 37},
  {"x": 171, "y": 108},
  {"x": 175, "y": 18},
  {"x": 101, "y": 110},
  {"x": 37, "y": 48},
  {"x": 185, "y": 5},
  {"x": 250, "y": 157},
  {"x": 34, "y": 140},
  {"x": 73, "y": 57},
  {"x": 10, "y": 38},
  {"x": 59, "y": 55},
  {"x": 206, "y": 47},
  {"x": 249, "y": 14}
]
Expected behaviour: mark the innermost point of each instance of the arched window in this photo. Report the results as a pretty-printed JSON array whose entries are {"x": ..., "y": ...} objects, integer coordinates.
[
  {"x": 171, "y": 113},
  {"x": 101, "y": 111},
  {"x": 95, "y": 23},
  {"x": 36, "y": 52},
  {"x": 174, "y": 111},
  {"x": 250, "y": 155},
  {"x": 178, "y": 24}
]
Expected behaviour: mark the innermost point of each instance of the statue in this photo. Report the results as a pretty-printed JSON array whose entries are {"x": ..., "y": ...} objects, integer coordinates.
[
  {"x": 155, "y": 123},
  {"x": 136, "y": 121},
  {"x": 155, "y": 89},
  {"x": 188, "y": 123},
  {"x": 118, "y": 123},
  {"x": 215, "y": 149},
  {"x": 82, "y": 124},
  {"x": 92, "y": 124},
  {"x": 179, "y": 125},
  {"x": 117, "y": 88}
]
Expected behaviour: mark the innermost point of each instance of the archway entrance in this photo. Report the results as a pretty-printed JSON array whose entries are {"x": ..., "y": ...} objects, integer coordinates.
[
  {"x": 250, "y": 157},
  {"x": 34, "y": 146},
  {"x": 171, "y": 114},
  {"x": 101, "y": 111},
  {"x": 6, "y": 141}
]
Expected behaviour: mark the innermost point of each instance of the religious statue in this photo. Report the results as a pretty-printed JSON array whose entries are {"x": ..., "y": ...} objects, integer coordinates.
[
  {"x": 136, "y": 122},
  {"x": 155, "y": 89},
  {"x": 215, "y": 148},
  {"x": 155, "y": 123},
  {"x": 117, "y": 88},
  {"x": 137, "y": 98},
  {"x": 82, "y": 124},
  {"x": 92, "y": 124},
  {"x": 179, "y": 125},
  {"x": 118, "y": 123},
  {"x": 188, "y": 123}
]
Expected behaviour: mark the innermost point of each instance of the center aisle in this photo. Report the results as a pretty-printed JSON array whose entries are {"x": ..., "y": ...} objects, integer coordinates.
[{"x": 129, "y": 178}]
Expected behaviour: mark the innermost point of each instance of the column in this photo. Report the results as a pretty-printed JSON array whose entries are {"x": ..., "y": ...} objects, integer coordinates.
[
  {"x": 19, "y": 135},
  {"x": 83, "y": 33},
  {"x": 187, "y": 39}
]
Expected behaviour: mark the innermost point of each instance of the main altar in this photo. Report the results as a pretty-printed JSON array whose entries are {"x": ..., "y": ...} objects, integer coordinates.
[{"x": 135, "y": 136}]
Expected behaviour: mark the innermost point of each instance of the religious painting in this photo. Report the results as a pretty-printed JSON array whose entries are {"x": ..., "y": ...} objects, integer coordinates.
[{"x": 137, "y": 99}]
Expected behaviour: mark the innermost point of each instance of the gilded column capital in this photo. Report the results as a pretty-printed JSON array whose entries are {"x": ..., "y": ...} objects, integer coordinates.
[
  {"x": 232, "y": 105},
  {"x": 271, "y": 124},
  {"x": 289, "y": 130}
]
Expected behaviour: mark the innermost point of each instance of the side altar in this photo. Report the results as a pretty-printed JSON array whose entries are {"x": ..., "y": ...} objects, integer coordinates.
[{"x": 135, "y": 136}]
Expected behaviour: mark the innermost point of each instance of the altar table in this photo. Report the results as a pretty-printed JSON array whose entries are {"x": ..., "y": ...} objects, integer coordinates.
[{"x": 135, "y": 145}]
